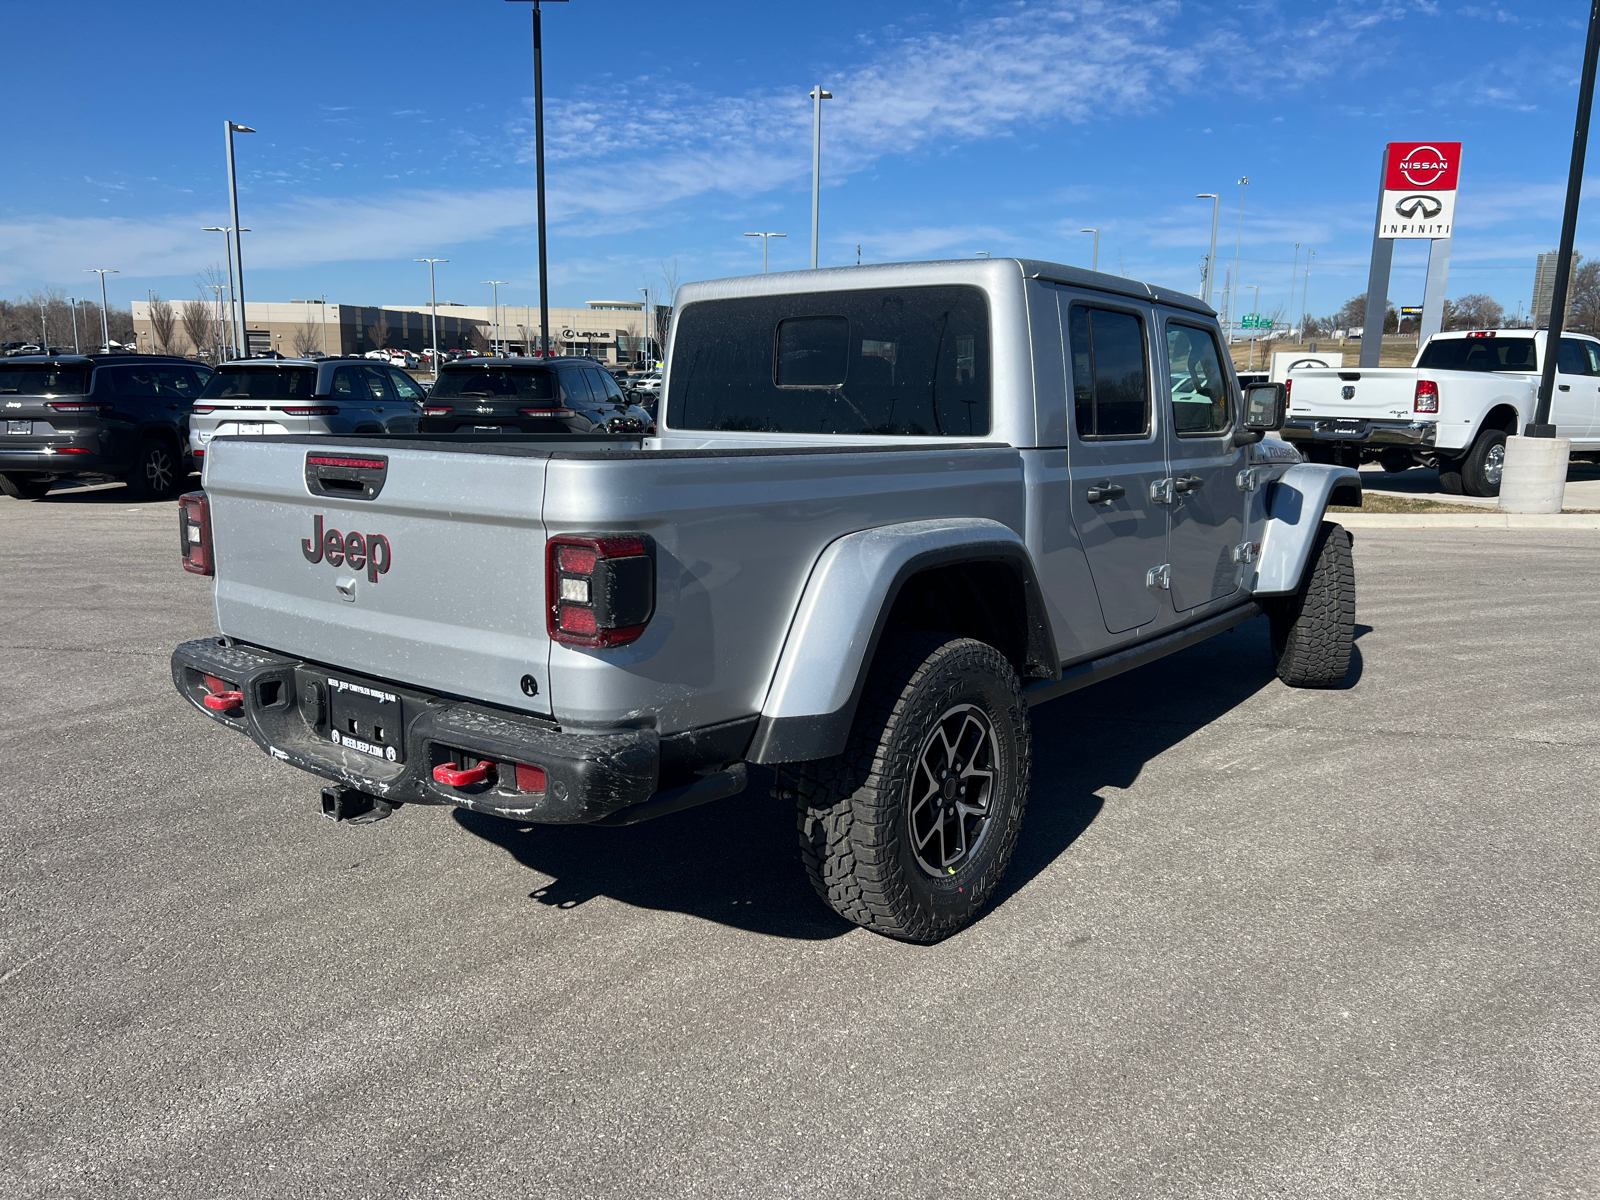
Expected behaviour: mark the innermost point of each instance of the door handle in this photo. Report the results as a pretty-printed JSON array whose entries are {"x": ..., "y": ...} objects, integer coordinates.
[
  {"x": 1188, "y": 483},
  {"x": 1564, "y": 387},
  {"x": 1105, "y": 493}
]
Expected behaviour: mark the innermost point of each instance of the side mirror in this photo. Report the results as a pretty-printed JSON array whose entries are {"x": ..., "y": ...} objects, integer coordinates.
[{"x": 1264, "y": 407}]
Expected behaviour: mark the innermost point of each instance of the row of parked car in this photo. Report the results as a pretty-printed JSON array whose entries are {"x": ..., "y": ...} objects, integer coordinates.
[{"x": 148, "y": 419}]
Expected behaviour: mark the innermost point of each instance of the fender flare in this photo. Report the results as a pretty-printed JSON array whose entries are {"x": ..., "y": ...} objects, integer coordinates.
[
  {"x": 844, "y": 607},
  {"x": 1296, "y": 503}
]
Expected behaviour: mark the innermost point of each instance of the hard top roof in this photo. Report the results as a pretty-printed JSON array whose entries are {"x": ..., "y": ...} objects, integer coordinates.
[
  {"x": 990, "y": 272},
  {"x": 97, "y": 360}
]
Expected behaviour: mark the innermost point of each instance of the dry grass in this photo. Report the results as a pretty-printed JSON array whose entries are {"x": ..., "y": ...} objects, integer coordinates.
[
  {"x": 1395, "y": 354},
  {"x": 1404, "y": 504}
]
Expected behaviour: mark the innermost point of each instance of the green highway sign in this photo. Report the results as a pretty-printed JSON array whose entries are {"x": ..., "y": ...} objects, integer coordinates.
[{"x": 1255, "y": 321}]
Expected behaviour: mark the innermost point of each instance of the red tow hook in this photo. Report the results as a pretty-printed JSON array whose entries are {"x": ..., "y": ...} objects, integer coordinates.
[
  {"x": 223, "y": 701},
  {"x": 453, "y": 776}
]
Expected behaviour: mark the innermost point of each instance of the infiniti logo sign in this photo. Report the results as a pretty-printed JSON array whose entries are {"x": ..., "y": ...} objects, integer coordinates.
[{"x": 1413, "y": 207}]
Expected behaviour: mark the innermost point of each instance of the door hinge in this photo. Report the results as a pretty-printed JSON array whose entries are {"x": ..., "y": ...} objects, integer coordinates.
[
  {"x": 1246, "y": 552},
  {"x": 1249, "y": 481},
  {"x": 1159, "y": 577},
  {"x": 1161, "y": 491}
]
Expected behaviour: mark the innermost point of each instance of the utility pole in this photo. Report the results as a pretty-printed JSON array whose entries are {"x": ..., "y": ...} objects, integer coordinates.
[
  {"x": 105, "y": 326},
  {"x": 1211, "y": 259},
  {"x": 241, "y": 338},
  {"x": 433, "y": 307},
  {"x": 538, "y": 158},
  {"x": 1095, "y": 262},
  {"x": 817, "y": 97},
  {"x": 764, "y": 237}
]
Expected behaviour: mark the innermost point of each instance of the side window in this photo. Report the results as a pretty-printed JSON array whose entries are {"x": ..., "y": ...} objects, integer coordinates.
[
  {"x": 378, "y": 383},
  {"x": 613, "y": 392},
  {"x": 349, "y": 383},
  {"x": 1199, "y": 384},
  {"x": 135, "y": 382},
  {"x": 1110, "y": 374},
  {"x": 406, "y": 387},
  {"x": 177, "y": 383},
  {"x": 575, "y": 389},
  {"x": 1573, "y": 360},
  {"x": 1593, "y": 351}
]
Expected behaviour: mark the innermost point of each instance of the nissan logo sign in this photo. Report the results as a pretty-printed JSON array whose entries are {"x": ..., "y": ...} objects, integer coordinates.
[{"x": 1424, "y": 165}]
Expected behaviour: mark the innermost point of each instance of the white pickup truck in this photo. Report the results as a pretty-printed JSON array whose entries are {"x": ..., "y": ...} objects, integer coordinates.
[{"x": 1454, "y": 407}]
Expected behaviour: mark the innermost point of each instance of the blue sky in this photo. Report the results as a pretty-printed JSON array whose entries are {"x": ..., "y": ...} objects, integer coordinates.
[{"x": 402, "y": 129}]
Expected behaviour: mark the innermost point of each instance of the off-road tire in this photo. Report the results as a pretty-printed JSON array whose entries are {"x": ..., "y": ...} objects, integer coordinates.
[
  {"x": 1450, "y": 482},
  {"x": 1475, "y": 473},
  {"x": 23, "y": 487},
  {"x": 157, "y": 471},
  {"x": 855, "y": 809},
  {"x": 1313, "y": 631}
]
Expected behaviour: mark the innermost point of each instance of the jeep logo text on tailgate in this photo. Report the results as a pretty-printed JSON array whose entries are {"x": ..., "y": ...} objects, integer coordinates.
[{"x": 354, "y": 550}]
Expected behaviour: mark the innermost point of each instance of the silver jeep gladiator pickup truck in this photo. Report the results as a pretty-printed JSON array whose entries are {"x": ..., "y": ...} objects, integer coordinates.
[{"x": 888, "y": 509}]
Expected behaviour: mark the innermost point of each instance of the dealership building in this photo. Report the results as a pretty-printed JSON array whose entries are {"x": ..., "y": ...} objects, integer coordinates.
[{"x": 611, "y": 330}]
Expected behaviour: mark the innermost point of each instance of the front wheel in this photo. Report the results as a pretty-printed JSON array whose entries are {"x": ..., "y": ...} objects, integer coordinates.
[
  {"x": 909, "y": 831},
  {"x": 1313, "y": 630}
]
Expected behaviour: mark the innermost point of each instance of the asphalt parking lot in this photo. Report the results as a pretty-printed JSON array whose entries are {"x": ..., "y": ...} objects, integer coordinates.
[{"x": 1256, "y": 942}]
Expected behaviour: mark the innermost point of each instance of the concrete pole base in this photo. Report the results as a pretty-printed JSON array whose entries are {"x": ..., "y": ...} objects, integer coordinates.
[{"x": 1534, "y": 479}]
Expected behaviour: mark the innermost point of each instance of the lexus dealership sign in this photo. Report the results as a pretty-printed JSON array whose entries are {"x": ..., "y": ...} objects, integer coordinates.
[{"x": 1419, "y": 190}]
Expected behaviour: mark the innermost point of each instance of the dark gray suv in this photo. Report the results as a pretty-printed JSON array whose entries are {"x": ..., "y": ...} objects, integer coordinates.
[{"x": 112, "y": 416}]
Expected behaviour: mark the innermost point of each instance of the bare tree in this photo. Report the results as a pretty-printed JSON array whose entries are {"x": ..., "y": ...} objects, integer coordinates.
[
  {"x": 378, "y": 330},
  {"x": 1474, "y": 311},
  {"x": 162, "y": 322},
  {"x": 307, "y": 338},
  {"x": 1583, "y": 298},
  {"x": 200, "y": 324},
  {"x": 662, "y": 317}
]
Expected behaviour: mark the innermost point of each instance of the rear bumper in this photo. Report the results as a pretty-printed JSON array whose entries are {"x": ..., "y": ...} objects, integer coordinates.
[
  {"x": 40, "y": 460},
  {"x": 286, "y": 711},
  {"x": 1361, "y": 430}
]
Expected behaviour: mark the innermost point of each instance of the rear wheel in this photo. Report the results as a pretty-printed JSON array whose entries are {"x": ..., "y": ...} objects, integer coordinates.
[
  {"x": 909, "y": 831},
  {"x": 1395, "y": 461},
  {"x": 1313, "y": 631},
  {"x": 155, "y": 472},
  {"x": 24, "y": 487},
  {"x": 1482, "y": 467},
  {"x": 1450, "y": 482}
]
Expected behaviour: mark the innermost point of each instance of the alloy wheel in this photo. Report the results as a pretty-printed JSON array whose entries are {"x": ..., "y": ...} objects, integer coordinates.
[
  {"x": 952, "y": 784},
  {"x": 158, "y": 470}
]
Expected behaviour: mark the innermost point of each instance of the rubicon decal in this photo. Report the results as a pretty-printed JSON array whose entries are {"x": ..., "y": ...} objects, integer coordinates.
[{"x": 353, "y": 550}]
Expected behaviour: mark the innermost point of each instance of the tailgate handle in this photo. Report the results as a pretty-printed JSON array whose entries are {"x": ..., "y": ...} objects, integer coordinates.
[
  {"x": 454, "y": 776},
  {"x": 350, "y": 475}
]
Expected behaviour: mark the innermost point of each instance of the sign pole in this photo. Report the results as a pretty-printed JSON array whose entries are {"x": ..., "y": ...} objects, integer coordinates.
[
  {"x": 1433, "y": 293},
  {"x": 1541, "y": 427},
  {"x": 1377, "y": 280}
]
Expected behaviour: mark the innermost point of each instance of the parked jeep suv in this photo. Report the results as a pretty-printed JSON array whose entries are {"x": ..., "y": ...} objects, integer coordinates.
[
  {"x": 488, "y": 396},
  {"x": 115, "y": 416},
  {"x": 331, "y": 395}
]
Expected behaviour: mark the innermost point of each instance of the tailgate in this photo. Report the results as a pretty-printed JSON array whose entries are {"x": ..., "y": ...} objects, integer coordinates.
[
  {"x": 1372, "y": 394},
  {"x": 448, "y": 595}
]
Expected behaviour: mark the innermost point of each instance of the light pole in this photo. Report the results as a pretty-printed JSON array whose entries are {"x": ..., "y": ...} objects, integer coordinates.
[
  {"x": 433, "y": 305},
  {"x": 1095, "y": 262},
  {"x": 1211, "y": 259},
  {"x": 230, "y": 328},
  {"x": 495, "y": 283},
  {"x": 1255, "y": 307},
  {"x": 764, "y": 237},
  {"x": 1244, "y": 181},
  {"x": 44, "y": 330},
  {"x": 538, "y": 158},
  {"x": 229, "y": 129},
  {"x": 105, "y": 326},
  {"x": 1305, "y": 291},
  {"x": 817, "y": 97},
  {"x": 324, "y": 324},
  {"x": 222, "y": 328},
  {"x": 645, "y": 324},
  {"x": 1294, "y": 274},
  {"x": 74, "y": 304}
]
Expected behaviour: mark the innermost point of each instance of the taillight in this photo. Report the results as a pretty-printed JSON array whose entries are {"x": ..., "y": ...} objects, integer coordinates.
[
  {"x": 315, "y": 410},
  {"x": 204, "y": 408},
  {"x": 194, "y": 533},
  {"x": 436, "y": 410},
  {"x": 1288, "y": 386},
  {"x": 600, "y": 590},
  {"x": 78, "y": 406},
  {"x": 548, "y": 412},
  {"x": 1427, "y": 397}
]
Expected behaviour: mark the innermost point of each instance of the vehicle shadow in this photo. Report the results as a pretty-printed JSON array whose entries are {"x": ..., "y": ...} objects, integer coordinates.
[
  {"x": 737, "y": 862},
  {"x": 107, "y": 493}
]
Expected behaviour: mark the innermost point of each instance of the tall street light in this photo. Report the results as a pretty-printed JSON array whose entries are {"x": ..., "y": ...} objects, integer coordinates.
[
  {"x": 1211, "y": 259},
  {"x": 433, "y": 307},
  {"x": 765, "y": 236},
  {"x": 538, "y": 158},
  {"x": 1095, "y": 263},
  {"x": 817, "y": 97},
  {"x": 227, "y": 232},
  {"x": 229, "y": 129},
  {"x": 495, "y": 283},
  {"x": 645, "y": 325},
  {"x": 1294, "y": 275},
  {"x": 74, "y": 305},
  {"x": 105, "y": 326},
  {"x": 1244, "y": 181},
  {"x": 1305, "y": 291},
  {"x": 324, "y": 324}
]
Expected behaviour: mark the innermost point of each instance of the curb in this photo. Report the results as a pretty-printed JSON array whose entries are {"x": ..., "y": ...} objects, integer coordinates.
[{"x": 1486, "y": 520}]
